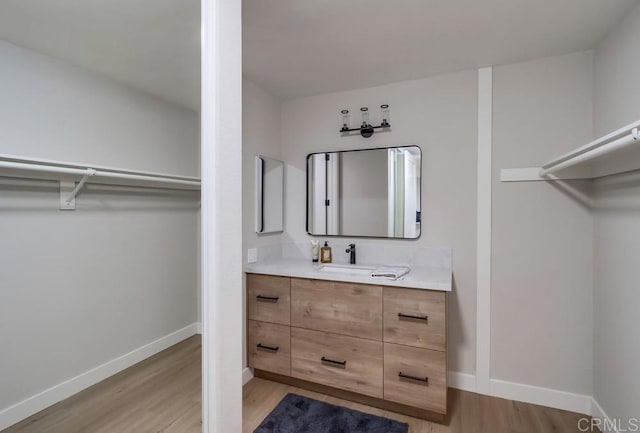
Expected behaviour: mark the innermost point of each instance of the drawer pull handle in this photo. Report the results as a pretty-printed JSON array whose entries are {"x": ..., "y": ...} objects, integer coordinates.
[
  {"x": 267, "y": 298},
  {"x": 331, "y": 361},
  {"x": 412, "y": 316},
  {"x": 408, "y": 376},
  {"x": 262, "y": 346}
]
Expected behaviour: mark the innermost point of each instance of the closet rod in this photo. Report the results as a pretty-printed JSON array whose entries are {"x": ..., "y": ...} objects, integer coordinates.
[
  {"x": 610, "y": 143},
  {"x": 49, "y": 167}
]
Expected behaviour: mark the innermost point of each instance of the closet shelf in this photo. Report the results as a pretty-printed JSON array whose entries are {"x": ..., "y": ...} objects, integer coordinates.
[
  {"x": 581, "y": 163},
  {"x": 68, "y": 173}
]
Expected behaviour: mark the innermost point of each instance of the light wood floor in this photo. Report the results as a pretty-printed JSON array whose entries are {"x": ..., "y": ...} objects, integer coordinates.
[
  {"x": 162, "y": 395},
  {"x": 469, "y": 412}
]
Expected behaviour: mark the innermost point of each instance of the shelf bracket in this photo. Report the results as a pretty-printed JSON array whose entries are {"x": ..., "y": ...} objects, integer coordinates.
[
  {"x": 532, "y": 174},
  {"x": 69, "y": 190}
]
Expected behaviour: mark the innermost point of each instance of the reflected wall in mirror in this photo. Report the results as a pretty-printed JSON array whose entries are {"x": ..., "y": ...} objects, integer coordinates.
[
  {"x": 365, "y": 193},
  {"x": 269, "y": 195}
]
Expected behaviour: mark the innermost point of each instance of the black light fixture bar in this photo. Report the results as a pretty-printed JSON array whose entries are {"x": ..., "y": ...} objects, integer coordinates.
[
  {"x": 361, "y": 128},
  {"x": 365, "y": 129}
]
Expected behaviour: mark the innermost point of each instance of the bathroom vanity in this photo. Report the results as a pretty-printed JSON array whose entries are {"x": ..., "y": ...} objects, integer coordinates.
[
  {"x": 332, "y": 327},
  {"x": 378, "y": 342}
]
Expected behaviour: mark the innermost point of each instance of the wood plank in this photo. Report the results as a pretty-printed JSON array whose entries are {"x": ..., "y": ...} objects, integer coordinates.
[
  {"x": 413, "y": 364},
  {"x": 274, "y": 352},
  {"x": 362, "y": 369},
  {"x": 427, "y": 328},
  {"x": 371, "y": 402},
  {"x": 341, "y": 308},
  {"x": 154, "y": 395},
  {"x": 269, "y": 298}
]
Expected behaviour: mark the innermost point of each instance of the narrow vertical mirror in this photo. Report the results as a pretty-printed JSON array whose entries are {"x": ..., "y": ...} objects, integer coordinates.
[{"x": 269, "y": 195}]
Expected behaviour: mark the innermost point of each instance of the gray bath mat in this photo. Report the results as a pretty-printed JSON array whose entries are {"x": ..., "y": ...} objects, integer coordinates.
[{"x": 297, "y": 414}]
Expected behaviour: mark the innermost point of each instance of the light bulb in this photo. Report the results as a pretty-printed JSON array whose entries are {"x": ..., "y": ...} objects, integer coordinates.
[
  {"x": 365, "y": 116},
  {"x": 345, "y": 120},
  {"x": 384, "y": 108}
]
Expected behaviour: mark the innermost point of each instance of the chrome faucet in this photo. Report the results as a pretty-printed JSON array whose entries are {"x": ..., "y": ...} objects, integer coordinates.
[{"x": 352, "y": 250}]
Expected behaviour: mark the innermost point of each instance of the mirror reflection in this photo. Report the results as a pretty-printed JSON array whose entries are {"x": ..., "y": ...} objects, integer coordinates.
[
  {"x": 365, "y": 193},
  {"x": 269, "y": 195}
]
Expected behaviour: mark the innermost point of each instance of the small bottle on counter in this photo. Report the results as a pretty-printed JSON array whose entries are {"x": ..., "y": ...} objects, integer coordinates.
[
  {"x": 325, "y": 253},
  {"x": 315, "y": 250}
]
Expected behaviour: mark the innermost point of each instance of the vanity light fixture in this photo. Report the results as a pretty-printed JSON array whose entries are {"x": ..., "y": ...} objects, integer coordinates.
[
  {"x": 345, "y": 120},
  {"x": 365, "y": 129}
]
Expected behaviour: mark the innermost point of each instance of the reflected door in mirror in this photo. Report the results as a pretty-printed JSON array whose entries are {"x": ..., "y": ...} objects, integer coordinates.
[{"x": 365, "y": 193}]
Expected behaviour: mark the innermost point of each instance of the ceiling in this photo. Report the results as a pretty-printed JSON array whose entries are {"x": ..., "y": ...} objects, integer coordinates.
[
  {"x": 153, "y": 45},
  {"x": 296, "y": 48}
]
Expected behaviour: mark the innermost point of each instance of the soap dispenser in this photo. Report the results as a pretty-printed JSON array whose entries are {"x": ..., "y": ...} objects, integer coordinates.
[{"x": 325, "y": 253}]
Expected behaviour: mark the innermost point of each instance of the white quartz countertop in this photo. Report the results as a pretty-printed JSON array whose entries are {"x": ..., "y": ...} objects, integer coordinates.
[{"x": 429, "y": 278}]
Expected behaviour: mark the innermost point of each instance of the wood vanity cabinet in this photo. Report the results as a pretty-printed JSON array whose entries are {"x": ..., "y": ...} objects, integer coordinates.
[
  {"x": 269, "y": 347},
  {"x": 350, "y": 363},
  {"x": 341, "y": 308},
  {"x": 268, "y": 298},
  {"x": 379, "y": 345}
]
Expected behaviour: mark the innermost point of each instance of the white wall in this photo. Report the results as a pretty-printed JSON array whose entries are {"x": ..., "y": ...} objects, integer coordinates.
[
  {"x": 541, "y": 292},
  {"x": 617, "y": 229},
  {"x": 438, "y": 114},
  {"x": 616, "y": 70},
  {"x": 542, "y": 305},
  {"x": 52, "y": 110},
  {"x": 80, "y": 288},
  {"x": 260, "y": 136}
]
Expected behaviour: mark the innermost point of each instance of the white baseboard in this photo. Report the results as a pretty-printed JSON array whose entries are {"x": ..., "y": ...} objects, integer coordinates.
[
  {"x": 66, "y": 389},
  {"x": 530, "y": 394},
  {"x": 247, "y": 375},
  {"x": 541, "y": 396},
  {"x": 462, "y": 381},
  {"x": 199, "y": 328},
  {"x": 598, "y": 412}
]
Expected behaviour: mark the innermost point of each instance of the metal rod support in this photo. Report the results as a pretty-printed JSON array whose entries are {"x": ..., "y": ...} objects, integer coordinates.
[{"x": 74, "y": 193}]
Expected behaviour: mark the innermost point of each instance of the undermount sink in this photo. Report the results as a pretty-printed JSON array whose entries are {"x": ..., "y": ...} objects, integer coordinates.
[{"x": 347, "y": 269}]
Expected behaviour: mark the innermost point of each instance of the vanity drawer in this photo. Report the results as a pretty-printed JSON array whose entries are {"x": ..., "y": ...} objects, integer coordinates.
[
  {"x": 415, "y": 318},
  {"x": 350, "y": 363},
  {"x": 415, "y": 377},
  {"x": 269, "y": 347},
  {"x": 269, "y": 298},
  {"x": 341, "y": 308}
]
